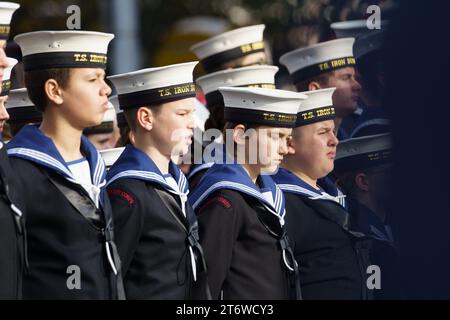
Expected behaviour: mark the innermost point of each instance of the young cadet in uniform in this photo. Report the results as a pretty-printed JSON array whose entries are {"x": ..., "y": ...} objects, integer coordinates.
[
  {"x": 12, "y": 231},
  {"x": 69, "y": 222},
  {"x": 21, "y": 111},
  {"x": 156, "y": 228},
  {"x": 253, "y": 76},
  {"x": 364, "y": 167},
  {"x": 242, "y": 47},
  {"x": 326, "y": 65},
  {"x": 239, "y": 207},
  {"x": 332, "y": 258},
  {"x": 370, "y": 72},
  {"x": 103, "y": 136}
]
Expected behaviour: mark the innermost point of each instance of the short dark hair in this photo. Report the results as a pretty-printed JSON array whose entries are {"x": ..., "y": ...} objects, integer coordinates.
[
  {"x": 216, "y": 119},
  {"x": 36, "y": 79},
  {"x": 232, "y": 125},
  {"x": 130, "y": 115},
  {"x": 322, "y": 79}
]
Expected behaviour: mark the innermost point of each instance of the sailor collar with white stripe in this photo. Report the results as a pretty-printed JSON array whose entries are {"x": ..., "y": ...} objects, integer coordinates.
[
  {"x": 289, "y": 182},
  {"x": 31, "y": 144},
  {"x": 134, "y": 163},
  {"x": 234, "y": 177}
]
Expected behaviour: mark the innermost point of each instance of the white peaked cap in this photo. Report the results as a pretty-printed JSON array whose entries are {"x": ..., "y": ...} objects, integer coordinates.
[
  {"x": 318, "y": 58},
  {"x": 317, "y": 99},
  {"x": 18, "y": 98},
  {"x": 64, "y": 49},
  {"x": 271, "y": 107},
  {"x": 364, "y": 152},
  {"x": 245, "y": 76},
  {"x": 354, "y": 28},
  {"x": 155, "y": 85},
  {"x": 21, "y": 109},
  {"x": 318, "y": 107},
  {"x": 228, "y": 40},
  {"x": 7, "y": 10}
]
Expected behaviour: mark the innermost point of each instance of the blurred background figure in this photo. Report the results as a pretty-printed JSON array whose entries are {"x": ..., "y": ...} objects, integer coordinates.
[
  {"x": 21, "y": 111},
  {"x": 106, "y": 134},
  {"x": 364, "y": 170}
]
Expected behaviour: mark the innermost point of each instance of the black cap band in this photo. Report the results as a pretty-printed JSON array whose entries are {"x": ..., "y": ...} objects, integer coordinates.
[
  {"x": 315, "y": 115},
  {"x": 104, "y": 127},
  {"x": 156, "y": 96},
  {"x": 363, "y": 161},
  {"x": 4, "y": 31},
  {"x": 24, "y": 115},
  {"x": 272, "y": 119},
  {"x": 64, "y": 60},
  {"x": 319, "y": 68},
  {"x": 6, "y": 86},
  {"x": 214, "y": 98},
  {"x": 211, "y": 62}
]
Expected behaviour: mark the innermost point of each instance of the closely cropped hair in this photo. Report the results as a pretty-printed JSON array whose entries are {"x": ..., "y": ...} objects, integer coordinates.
[
  {"x": 35, "y": 81},
  {"x": 216, "y": 119},
  {"x": 130, "y": 115},
  {"x": 232, "y": 125},
  {"x": 322, "y": 79}
]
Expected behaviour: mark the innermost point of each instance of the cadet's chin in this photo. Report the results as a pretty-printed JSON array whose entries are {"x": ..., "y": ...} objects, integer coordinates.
[{"x": 272, "y": 169}]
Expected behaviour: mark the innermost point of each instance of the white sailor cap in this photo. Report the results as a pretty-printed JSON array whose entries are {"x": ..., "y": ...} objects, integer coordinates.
[
  {"x": 155, "y": 85},
  {"x": 271, "y": 107},
  {"x": 111, "y": 155},
  {"x": 364, "y": 152},
  {"x": 305, "y": 63},
  {"x": 107, "y": 124},
  {"x": 368, "y": 43},
  {"x": 252, "y": 76},
  {"x": 21, "y": 109},
  {"x": 121, "y": 120},
  {"x": 318, "y": 107},
  {"x": 64, "y": 49},
  {"x": 6, "y": 11},
  {"x": 229, "y": 45},
  {"x": 354, "y": 28},
  {"x": 6, "y": 81}
]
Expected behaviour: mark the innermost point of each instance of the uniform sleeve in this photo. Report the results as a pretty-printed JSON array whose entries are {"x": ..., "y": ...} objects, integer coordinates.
[
  {"x": 128, "y": 215},
  {"x": 218, "y": 230}
]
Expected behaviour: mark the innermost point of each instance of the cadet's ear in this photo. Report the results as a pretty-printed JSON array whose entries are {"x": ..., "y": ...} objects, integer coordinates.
[
  {"x": 239, "y": 134},
  {"x": 362, "y": 182},
  {"x": 313, "y": 85},
  {"x": 145, "y": 118},
  {"x": 53, "y": 91}
]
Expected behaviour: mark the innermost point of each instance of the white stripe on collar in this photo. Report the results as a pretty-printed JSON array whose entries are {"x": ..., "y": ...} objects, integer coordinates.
[
  {"x": 52, "y": 162},
  {"x": 244, "y": 188},
  {"x": 43, "y": 157},
  {"x": 312, "y": 195},
  {"x": 203, "y": 166}
]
